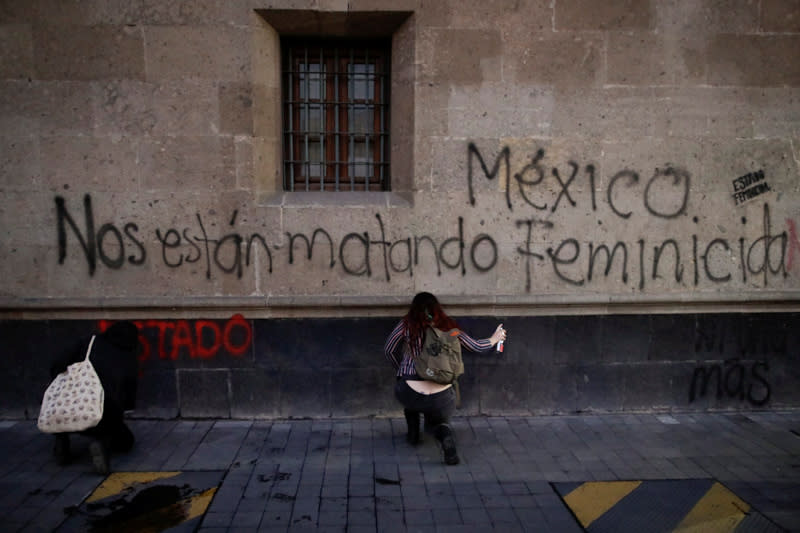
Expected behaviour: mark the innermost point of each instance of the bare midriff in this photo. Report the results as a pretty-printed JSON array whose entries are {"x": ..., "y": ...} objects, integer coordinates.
[{"x": 428, "y": 387}]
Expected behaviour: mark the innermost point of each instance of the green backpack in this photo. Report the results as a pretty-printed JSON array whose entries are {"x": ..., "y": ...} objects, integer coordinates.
[{"x": 440, "y": 359}]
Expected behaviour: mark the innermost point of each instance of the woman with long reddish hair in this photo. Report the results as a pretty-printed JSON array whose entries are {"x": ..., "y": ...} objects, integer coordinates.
[{"x": 436, "y": 401}]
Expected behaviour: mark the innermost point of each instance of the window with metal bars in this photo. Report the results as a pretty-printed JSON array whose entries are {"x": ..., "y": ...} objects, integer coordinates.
[{"x": 335, "y": 115}]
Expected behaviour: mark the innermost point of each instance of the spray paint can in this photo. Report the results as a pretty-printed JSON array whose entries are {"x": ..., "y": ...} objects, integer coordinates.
[{"x": 500, "y": 346}]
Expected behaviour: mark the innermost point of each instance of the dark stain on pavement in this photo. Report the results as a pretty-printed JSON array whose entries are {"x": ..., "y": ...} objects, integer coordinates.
[{"x": 153, "y": 509}]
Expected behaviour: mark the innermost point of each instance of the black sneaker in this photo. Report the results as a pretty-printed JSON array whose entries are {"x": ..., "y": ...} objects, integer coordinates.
[
  {"x": 99, "y": 457},
  {"x": 448, "y": 441}
]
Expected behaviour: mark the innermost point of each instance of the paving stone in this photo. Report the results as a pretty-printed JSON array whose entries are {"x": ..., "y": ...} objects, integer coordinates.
[{"x": 360, "y": 475}]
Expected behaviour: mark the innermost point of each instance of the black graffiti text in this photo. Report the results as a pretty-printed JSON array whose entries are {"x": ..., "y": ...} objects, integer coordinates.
[
  {"x": 732, "y": 379},
  {"x": 664, "y": 193}
]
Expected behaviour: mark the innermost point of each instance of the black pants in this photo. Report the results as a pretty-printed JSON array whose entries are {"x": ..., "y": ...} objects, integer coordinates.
[
  {"x": 437, "y": 408},
  {"x": 112, "y": 429}
]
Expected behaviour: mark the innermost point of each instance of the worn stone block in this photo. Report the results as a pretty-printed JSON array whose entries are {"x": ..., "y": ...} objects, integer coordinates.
[
  {"x": 255, "y": 393},
  {"x": 459, "y": 56},
  {"x": 157, "y": 394},
  {"x": 360, "y": 343},
  {"x": 266, "y": 53},
  {"x": 71, "y": 52},
  {"x": 332, "y": 5},
  {"x": 697, "y": 17},
  {"x": 16, "y": 51},
  {"x": 53, "y": 108},
  {"x": 551, "y": 60},
  {"x": 402, "y": 107},
  {"x": 381, "y": 5},
  {"x": 552, "y": 388},
  {"x": 780, "y": 16},
  {"x": 642, "y": 58},
  {"x": 204, "y": 393},
  {"x": 20, "y": 164},
  {"x": 188, "y": 163},
  {"x": 768, "y": 335},
  {"x": 91, "y": 163},
  {"x": 236, "y": 109},
  {"x": 718, "y": 334},
  {"x": 754, "y": 60},
  {"x": 655, "y": 386},
  {"x": 285, "y": 343},
  {"x": 672, "y": 337},
  {"x": 402, "y": 168},
  {"x": 537, "y": 14},
  {"x": 207, "y": 52},
  {"x": 778, "y": 113},
  {"x": 23, "y": 221},
  {"x": 345, "y": 401},
  {"x": 612, "y": 114},
  {"x": 305, "y": 392},
  {"x": 23, "y": 384},
  {"x": 766, "y": 381},
  {"x": 509, "y": 395},
  {"x": 199, "y": 13},
  {"x": 721, "y": 112},
  {"x": 495, "y": 110},
  {"x": 613, "y": 15},
  {"x": 600, "y": 388},
  {"x": 268, "y": 165},
  {"x": 130, "y": 108},
  {"x": 625, "y": 338},
  {"x": 577, "y": 339},
  {"x": 18, "y": 104},
  {"x": 469, "y": 385},
  {"x": 432, "y": 105},
  {"x": 404, "y": 47}
]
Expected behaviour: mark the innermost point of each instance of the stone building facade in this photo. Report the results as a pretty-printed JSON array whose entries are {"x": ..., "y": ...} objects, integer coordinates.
[{"x": 617, "y": 182}]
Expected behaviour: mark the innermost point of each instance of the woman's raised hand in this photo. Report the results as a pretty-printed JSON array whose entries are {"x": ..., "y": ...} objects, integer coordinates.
[{"x": 498, "y": 335}]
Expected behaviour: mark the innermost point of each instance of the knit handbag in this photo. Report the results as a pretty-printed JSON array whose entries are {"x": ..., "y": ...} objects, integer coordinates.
[{"x": 74, "y": 400}]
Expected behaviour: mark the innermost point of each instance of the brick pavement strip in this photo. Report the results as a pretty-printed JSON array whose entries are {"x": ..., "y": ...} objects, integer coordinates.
[{"x": 361, "y": 475}]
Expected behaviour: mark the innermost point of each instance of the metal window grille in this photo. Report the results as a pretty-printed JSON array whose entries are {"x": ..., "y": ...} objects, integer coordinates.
[{"x": 335, "y": 115}]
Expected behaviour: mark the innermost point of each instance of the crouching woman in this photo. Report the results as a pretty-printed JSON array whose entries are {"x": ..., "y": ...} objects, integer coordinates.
[{"x": 436, "y": 402}]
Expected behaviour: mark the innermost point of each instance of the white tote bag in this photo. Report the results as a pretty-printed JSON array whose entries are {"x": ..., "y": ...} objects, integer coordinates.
[{"x": 74, "y": 400}]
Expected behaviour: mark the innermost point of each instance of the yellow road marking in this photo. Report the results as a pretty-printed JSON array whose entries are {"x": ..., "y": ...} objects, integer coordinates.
[
  {"x": 119, "y": 481},
  {"x": 719, "y": 510},
  {"x": 198, "y": 504},
  {"x": 591, "y": 500}
]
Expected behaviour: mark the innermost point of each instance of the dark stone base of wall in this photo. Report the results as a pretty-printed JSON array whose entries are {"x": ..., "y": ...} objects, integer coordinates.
[{"x": 282, "y": 368}]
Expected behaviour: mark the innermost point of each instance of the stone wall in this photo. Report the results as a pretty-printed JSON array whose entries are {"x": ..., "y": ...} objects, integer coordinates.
[
  {"x": 549, "y": 158},
  {"x": 334, "y": 367}
]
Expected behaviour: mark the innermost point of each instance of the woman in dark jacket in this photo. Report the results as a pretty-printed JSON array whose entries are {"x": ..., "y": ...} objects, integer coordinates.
[
  {"x": 435, "y": 401},
  {"x": 114, "y": 357}
]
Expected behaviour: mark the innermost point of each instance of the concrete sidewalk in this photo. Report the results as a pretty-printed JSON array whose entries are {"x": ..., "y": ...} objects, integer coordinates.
[{"x": 361, "y": 475}]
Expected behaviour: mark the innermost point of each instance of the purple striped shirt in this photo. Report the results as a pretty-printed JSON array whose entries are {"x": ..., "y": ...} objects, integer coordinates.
[{"x": 401, "y": 354}]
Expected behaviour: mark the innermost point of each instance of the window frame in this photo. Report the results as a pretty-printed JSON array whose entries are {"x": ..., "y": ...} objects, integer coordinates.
[{"x": 338, "y": 167}]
